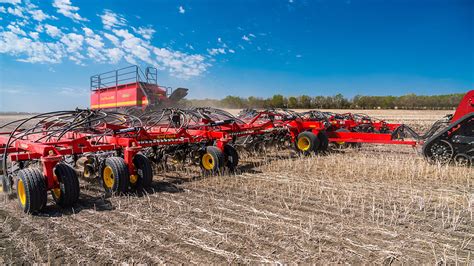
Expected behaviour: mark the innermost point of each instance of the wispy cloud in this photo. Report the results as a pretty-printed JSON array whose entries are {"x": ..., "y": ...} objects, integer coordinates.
[
  {"x": 216, "y": 51},
  {"x": 34, "y": 41},
  {"x": 66, "y": 8},
  {"x": 145, "y": 32},
  {"x": 73, "y": 91},
  {"x": 10, "y": 1},
  {"x": 112, "y": 20}
]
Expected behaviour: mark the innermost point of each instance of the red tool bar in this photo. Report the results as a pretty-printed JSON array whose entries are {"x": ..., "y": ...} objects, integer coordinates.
[{"x": 367, "y": 138}]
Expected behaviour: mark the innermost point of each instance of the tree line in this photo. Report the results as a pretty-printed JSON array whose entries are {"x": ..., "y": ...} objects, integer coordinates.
[{"x": 338, "y": 101}]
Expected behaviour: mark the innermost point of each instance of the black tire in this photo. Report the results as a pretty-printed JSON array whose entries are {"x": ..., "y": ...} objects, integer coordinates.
[
  {"x": 231, "y": 157},
  {"x": 68, "y": 192},
  {"x": 31, "y": 190},
  {"x": 144, "y": 172},
  {"x": 212, "y": 160},
  {"x": 323, "y": 140},
  {"x": 307, "y": 142},
  {"x": 115, "y": 176}
]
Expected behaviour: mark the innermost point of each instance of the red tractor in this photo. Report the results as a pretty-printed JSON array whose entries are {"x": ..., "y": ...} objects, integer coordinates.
[{"x": 128, "y": 89}]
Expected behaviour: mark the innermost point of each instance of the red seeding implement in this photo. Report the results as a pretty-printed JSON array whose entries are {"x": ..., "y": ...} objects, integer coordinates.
[
  {"x": 46, "y": 151},
  {"x": 130, "y": 89},
  {"x": 40, "y": 154}
]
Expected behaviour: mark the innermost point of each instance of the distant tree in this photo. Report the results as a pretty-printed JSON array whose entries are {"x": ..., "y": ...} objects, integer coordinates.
[
  {"x": 277, "y": 101},
  {"x": 292, "y": 102},
  {"x": 304, "y": 101}
]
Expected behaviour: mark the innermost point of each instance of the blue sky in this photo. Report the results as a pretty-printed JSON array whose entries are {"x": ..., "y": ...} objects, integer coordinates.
[{"x": 50, "y": 48}]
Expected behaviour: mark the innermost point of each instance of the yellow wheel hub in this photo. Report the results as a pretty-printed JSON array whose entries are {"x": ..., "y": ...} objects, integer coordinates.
[
  {"x": 133, "y": 179},
  {"x": 21, "y": 192},
  {"x": 341, "y": 142},
  {"x": 108, "y": 177},
  {"x": 208, "y": 161},
  {"x": 57, "y": 192},
  {"x": 303, "y": 144},
  {"x": 86, "y": 174}
]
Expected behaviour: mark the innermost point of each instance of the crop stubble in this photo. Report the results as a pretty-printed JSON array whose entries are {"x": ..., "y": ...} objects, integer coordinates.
[{"x": 379, "y": 204}]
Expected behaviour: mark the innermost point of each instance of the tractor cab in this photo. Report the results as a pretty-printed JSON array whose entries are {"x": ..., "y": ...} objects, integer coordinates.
[{"x": 130, "y": 87}]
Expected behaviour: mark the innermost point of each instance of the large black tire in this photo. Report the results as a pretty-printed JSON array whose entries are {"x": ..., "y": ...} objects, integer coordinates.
[
  {"x": 231, "y": 157},
  {"x": 115, "y": 176},
  {"x": 323, "y": 140},
  {"x": 307, "y": 142},
  {"x": 144, "y": 172},
  {"x": 212, "y": 160},
  {"x": 68, "y": 192},
  {"x": 31, "y": 190}
]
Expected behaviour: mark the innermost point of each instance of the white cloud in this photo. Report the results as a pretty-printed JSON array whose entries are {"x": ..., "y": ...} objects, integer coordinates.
[
  {"x": 23, "y": 40},
  {"x": 231, "y": 51},
  {"x": 181, "y": 10},
  {"x": 93, "y": 39},
  {"x": 73, "y": 92},
  {"x": 52, "y": 31},
  {"x": 66, "y": 8},
  {"x": 251, "y": 35},
  {"x": 112, "y": 20},
  {"x": 35, "y": 51},
  {"x": 146, "y": 33},
  {"x": 17, "y": 11},
  {"x": 39, "y": 15},
  {"x": 114, "y": 54},
  {"x": 72, "y": 41},
  {"x": 16, "y": 30},
  {"x": 290, "y": 1},
  {"x": 112, "y": 38},
  {"x": 11, "y": 91},
  {"x": 39, "y": 28},
  {"x": 34, "y": 35},
  {"x": 2, "y": 9},
  {"x": 216, "y": 51},
  {"x": 96, "y": 54},
  {"x": 14, "y": 2},
  {"x": 181, "y": 64},
  {"x": 245, "y": 38},
  {"x": 133, "y": 45},
  {"x": 219, "y": 39}
]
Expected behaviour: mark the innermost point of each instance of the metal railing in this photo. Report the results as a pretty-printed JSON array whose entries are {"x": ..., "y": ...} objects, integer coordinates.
[{"x": 122, "y": 76}]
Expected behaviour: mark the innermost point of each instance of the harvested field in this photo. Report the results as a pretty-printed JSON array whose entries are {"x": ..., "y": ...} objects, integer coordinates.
[{"x": 381, "y": 204}]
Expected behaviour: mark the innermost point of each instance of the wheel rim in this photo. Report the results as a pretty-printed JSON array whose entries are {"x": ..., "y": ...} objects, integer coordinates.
[
  {"x": 86, "y": 173},
  {"x": 441, "y": 151},
  {"x": 21, "y": 192},
  {"x": 108, "y": 177},
  {"x": 133, "y": 179},
  {"x": 303, "y": 143},
  {"x": 462, "y": 160},
  {"x": 57, "y": 192},
  {"x": 208, "y": 161}
]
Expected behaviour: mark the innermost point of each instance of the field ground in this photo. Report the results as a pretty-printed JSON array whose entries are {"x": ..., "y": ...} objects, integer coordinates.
[{"x": 381, "y": 204}]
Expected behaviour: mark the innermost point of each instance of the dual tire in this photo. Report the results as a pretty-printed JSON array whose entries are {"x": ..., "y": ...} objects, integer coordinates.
[
  {"x": 32, "y": 192},
  {"x": 213, "y": 160},
  {"x": 307, "y": 142},
  {"x": 116, "y": 178}
]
